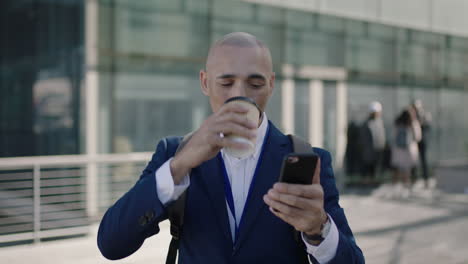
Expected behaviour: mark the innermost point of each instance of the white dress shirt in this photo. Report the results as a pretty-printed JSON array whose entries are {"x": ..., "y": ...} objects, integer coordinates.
[{"x": 240, "y": 173}]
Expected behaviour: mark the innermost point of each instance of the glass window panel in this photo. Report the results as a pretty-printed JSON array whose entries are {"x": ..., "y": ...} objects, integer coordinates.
[
  {"x": 458, "y": 43},
  {"x": 150, "y": 5},
  {"x": 355, "y": 28},
  {"x": 453, "y": 124},
  {"x": 331, "y": 24},
  {"x": 416, "y": 59},
  {"x": 153, "y": 33},
  {"x": 291, "y": 45},
  {"x": 299, "y": 19},
  {"x": 270, "y": 15},
  {"x": 426, "y": 38},
  {"x": 380, "y": 31},
  {"x": 457, "y": 64},
  {"x": 370, "y": 55},
  {"x": 233, "y": 10},
  {"x": 314, "y": 48},
  {"x": 143, "y": 104},
  {"x": 199, "y": 7},
  {"x": 403, "y": 35}
]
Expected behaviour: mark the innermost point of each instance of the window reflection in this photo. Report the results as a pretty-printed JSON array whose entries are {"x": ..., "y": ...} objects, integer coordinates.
[{"x": 41, "y": 70}]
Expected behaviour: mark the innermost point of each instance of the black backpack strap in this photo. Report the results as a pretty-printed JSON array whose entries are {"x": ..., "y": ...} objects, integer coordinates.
[{"x": 176, "y": 216}]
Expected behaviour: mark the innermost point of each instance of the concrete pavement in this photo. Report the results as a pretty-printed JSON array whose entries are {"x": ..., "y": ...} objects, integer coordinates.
[{"x": 426, "y": 227}]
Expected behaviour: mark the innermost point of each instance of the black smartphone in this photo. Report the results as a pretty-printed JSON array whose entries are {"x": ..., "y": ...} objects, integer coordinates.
[{"x": 298, "y": 168}]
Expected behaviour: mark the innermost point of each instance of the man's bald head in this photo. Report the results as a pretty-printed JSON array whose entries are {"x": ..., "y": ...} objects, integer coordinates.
[
  {"x": 240, "y": 40},
  {"x": 238, "y": 65}
]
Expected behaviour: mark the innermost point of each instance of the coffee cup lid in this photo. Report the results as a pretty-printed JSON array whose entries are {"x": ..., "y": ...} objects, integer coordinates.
[{"x": 246, "y": 99}]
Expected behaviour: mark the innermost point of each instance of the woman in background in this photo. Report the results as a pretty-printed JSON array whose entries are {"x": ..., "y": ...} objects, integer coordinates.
[{"x": 405, "y": 153}]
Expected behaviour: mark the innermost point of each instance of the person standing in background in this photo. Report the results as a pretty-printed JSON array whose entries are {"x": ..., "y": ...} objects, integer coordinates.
[
  {"x": 424, "y": 118},
  {"x": 405, "y": 154},
  {"x": 372, "y": 141}
]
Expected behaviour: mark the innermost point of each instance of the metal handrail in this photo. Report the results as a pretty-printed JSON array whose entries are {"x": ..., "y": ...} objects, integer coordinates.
[
  {"x": 63, "y": 161},
  {"x": 21, "y": 162}
]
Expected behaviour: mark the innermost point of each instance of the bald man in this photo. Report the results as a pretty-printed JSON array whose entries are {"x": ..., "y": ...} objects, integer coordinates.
[{"x": 236, "y": 211}]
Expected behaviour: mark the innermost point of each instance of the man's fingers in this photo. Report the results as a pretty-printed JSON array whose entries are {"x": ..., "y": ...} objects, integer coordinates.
[
  {"x": 286, "y": 218},
  {"x": 280, "y": 207},
  {"x": 234, "y": 129},
  {"x": 311, "y": 191},
  {"x": 293, "y": 200},
  {"x": 240, "y": 119},
  {"x": 316, "y": 178}
]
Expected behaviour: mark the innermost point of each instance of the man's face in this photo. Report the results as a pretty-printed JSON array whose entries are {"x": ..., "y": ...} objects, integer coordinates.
[{"x": 238, "y": 71}]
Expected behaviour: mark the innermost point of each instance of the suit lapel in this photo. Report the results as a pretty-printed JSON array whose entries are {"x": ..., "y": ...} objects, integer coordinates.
[
  {"x": 267, "y": 173},
  {"x": 213, "y": 183}
]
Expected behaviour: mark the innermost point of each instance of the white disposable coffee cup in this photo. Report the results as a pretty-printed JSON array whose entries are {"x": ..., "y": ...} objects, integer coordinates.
[{"x": 254, "y": 115}]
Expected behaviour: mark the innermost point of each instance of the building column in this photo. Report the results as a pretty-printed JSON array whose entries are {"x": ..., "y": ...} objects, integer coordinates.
[
  {"x": 287, "y": 101},
  {"x": 92, "y": 84},
  {"x": 341, "y": 123},
  {"x": 316, "y": 113}
]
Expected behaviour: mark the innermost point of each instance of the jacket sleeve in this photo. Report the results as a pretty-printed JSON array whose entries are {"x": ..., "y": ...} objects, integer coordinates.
[
  {"x": 137, "y": 214},
  {"x": 347, "y": 251}
]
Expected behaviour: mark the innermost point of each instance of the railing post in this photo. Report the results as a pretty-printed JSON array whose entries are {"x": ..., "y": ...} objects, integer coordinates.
[
  {"x": 92, "y": 190},
  {"x": 37, "y": 203}
]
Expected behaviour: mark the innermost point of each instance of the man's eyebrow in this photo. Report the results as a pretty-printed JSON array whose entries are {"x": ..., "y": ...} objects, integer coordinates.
[
  {"x": 251, "y": 76},
  {"x": 257, "y": 76},
  {"x": 226, "y": 76}
]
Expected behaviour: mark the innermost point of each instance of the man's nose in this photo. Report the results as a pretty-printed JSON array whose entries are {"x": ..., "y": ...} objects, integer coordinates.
[{"x": 239, "y": 90}]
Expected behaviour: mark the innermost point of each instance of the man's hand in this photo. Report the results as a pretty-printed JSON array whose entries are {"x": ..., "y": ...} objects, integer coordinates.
[
  {"x": 299, "y": 205},
  {"x": 206, "y": 142}
]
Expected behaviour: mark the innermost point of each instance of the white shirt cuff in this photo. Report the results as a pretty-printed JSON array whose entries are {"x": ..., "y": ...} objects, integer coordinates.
[
  {"x": 326, "y": 250},
  {"x": 166, "y": 189}
]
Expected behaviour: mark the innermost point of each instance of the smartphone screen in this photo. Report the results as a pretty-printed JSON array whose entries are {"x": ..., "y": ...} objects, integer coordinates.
[{"x": 298, "y": 168}]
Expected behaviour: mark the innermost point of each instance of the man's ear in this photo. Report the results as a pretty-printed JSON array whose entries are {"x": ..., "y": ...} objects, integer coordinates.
[
  {"x": 204, "y": 82},
  {"x": 272, "y": 82}
]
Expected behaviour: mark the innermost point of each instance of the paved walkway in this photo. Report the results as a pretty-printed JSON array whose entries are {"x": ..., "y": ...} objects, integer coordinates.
[{"x": 426, "y": 227}]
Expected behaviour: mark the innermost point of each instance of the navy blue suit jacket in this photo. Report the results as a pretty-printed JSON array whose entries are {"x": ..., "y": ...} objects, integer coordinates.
[{"x": 206, "y": 237}]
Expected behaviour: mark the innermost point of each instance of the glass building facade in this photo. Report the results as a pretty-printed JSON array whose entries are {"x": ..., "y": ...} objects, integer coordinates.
[
  {"x": 149, "y": 53},
  {"x": 41, "y": 73}
]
